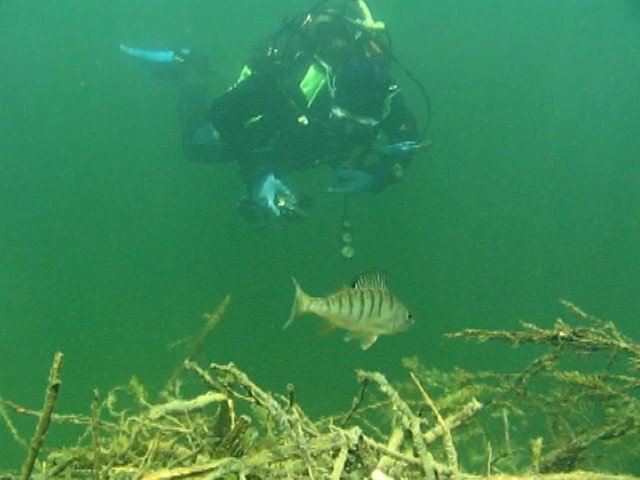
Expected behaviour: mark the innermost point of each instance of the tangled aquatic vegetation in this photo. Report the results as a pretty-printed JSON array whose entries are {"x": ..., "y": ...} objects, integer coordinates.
[{"x": 546, "y": 421}]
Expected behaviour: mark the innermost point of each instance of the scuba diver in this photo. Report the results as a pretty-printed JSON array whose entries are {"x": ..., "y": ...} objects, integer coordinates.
[{"x": 319, "y": 91}]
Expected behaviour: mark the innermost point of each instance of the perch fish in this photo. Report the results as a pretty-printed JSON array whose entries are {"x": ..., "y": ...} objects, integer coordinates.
[{"x": 366, "y": 310}]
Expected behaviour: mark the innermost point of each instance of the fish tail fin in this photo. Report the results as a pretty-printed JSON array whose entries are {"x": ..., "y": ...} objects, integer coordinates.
[{"x": 300, "y": 303}]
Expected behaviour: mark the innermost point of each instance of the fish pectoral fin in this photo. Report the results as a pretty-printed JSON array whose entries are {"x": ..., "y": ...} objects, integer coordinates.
[
  {"x": 327, "y": 328},
  {"x": 367, "y": 341},
  {"x": 352, "y": 336}
]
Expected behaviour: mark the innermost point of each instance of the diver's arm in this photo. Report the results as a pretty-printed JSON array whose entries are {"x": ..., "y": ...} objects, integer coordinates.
[
  {"x": 403, "y": 141},
  {"x": 389, "y": 160},
  {"x": 400, "y": 124}
]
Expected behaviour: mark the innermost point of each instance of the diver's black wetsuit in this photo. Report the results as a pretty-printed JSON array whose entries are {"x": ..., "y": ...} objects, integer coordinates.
[{"x": 318, "y": 92}]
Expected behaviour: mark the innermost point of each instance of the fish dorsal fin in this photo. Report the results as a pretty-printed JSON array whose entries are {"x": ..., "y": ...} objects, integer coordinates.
[{"x": 370, "y": 279}]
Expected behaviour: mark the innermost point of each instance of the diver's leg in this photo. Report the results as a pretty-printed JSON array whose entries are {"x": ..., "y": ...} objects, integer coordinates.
[{"x": 200, "y": 140}]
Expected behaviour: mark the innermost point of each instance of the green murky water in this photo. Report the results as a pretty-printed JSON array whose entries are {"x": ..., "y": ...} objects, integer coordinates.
[{"x": 112, "y": 245}]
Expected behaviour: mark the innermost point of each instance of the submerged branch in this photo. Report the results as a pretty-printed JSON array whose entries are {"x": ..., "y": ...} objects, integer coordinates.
[
  {"x": 43, "y": 423},
  {"x": 234, "y": 428}
]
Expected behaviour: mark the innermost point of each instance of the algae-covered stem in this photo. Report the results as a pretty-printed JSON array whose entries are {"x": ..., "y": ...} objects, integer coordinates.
[
  {"x": 9, "y": 423},
  {"x": 290, "y": 423},
  {"x": 408, "y": 419},
  {"x": 452, "y": 455},
  {"x": 454, "y": 420},
  {"x": 602, "y": 336},
  {"x": 45, "y": 418},
  {"x": 95, "y": 432},
  {"x": 393, "y": 444},
  {"x": 356, "y": 402},
  {"x": 196, "y": 346}
]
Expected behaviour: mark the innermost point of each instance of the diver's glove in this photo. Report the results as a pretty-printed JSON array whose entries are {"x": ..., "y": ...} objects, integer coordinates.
[
  {"x": 351, "y": 180},
  {"x": 206, "y": 135},
  {"x": 400, "y": 149},
  {"x": 277, "y": 198},
  {"x": 392, "y": 158},
  {"x": 157, "y": 56}
]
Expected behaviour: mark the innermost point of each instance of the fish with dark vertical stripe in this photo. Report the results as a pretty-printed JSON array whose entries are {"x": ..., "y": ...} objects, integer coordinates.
[{"x": 366, "y": 309}]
